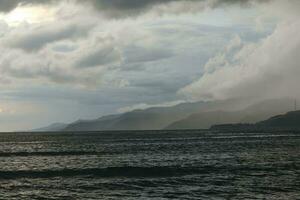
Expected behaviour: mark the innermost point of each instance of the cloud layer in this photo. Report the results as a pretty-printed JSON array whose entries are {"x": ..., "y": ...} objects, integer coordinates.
[
  {"x": 127, "y": 8},
  {"x": 264, "y": 70},
  {"x": 96, "y": 57}
]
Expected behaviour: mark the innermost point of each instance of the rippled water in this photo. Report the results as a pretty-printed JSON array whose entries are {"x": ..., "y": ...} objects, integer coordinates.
[{"x": 149, "y": 165}]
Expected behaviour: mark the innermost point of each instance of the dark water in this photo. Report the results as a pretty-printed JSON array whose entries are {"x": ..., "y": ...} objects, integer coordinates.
[{"x": 150, "y": 165}]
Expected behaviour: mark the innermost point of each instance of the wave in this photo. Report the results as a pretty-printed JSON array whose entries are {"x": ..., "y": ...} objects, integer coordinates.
[
  {"x": 50, "y": 153},
  {"x": 104, "y": 172},
  {"x": 156, "y": 171}
]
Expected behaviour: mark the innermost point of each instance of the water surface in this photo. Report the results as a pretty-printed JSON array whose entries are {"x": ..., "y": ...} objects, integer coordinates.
[{"x": 149, "y": 165}]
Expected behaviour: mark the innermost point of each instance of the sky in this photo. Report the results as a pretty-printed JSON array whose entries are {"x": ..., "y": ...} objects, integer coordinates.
[{"x": 64, "y": 60}]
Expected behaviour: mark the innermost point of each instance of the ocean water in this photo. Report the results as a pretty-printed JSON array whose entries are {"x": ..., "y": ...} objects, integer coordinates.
[{"x": 149, "y": 165}]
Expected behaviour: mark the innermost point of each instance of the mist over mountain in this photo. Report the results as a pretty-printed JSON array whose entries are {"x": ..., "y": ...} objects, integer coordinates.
[
  {"x": 197, "y": 115},
  {"x": 251, "y": 114},
  {"x": 51, "y": 127},
  {"x": 149, "y": 119}
]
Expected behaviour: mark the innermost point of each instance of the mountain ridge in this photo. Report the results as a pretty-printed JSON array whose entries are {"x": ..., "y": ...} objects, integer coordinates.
[
  {"x": 250, "y": 114},
  {"x": 194, "y": 115},
  {"x": 51, "y": 127}
]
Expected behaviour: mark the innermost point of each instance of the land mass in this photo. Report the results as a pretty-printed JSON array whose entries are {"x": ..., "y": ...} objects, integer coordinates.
[
  {"x": 286, "y": 122},
  {"x": 197, "y": 115},
  {"x": 52, "y": 127}
]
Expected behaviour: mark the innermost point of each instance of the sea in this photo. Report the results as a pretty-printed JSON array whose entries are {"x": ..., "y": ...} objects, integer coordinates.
[{"x": 149, "y": 165}]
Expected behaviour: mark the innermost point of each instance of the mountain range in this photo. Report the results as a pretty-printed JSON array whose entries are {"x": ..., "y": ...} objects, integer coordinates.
[
  {"x": 196, "y": 115},
  {"x": 52, "y": 127},
  {"x": 250, "y": 114}
]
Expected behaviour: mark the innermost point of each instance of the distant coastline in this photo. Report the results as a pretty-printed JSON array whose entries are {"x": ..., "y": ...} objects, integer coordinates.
[{"x": 289, "y": 122}]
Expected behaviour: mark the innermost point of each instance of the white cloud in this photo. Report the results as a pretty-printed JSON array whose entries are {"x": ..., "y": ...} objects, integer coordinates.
[
  {"x": 143, "y": 106},
  {"x": 267, "y": 69}
]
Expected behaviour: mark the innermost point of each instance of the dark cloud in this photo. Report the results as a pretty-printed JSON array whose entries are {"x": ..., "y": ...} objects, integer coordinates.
[
  {"x": 8, "y": 5},
  {"x": 127, "y": 4},
  {"x": 138, "y": 4},
  {"x": 121, "y": 8},
  {"x": 124, "y": 8}
]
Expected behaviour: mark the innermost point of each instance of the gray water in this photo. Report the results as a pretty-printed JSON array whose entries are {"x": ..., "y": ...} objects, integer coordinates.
[{"x": 149, "y": 165}]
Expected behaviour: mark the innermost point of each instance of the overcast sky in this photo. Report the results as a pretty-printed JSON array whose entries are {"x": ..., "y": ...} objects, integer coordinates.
[{"x": 62, "y": 60}]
